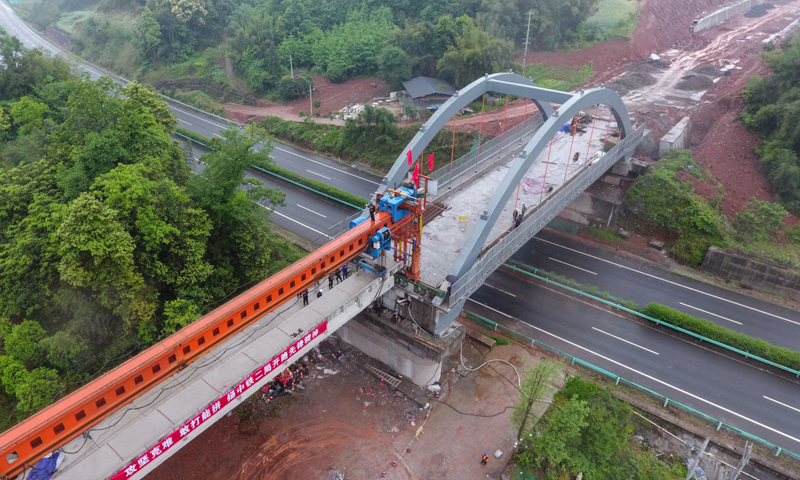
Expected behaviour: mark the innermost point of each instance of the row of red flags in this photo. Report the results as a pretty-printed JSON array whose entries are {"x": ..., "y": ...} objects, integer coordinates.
[{"x": 415, "y": 175}]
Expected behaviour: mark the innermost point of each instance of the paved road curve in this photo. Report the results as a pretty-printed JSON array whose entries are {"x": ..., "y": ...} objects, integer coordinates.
[
  {"x": 643, "y": 283},
  {"x": 738, "y": 394},
  {"x": 303, "y": 163}
]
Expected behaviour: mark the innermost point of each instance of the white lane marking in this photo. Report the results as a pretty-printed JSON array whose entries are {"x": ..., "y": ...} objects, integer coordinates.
[
  {"x": 626, "y": 341},
  {"x": 571, "y": 265},
  {"x": 184, "y": 121},
  {"x": 216, "y": 124},
  {"x": 671, "y": 282},
  {"x": 312, "y": 211},
  {"x": 326, "y": 166},
  {"x": 318, "y": 174},
  {"x": 490, "y": 308},
  {"x": 218, "y": 135},
  {"x": 782, "y": 404},
  {"x": 500, "y": 290},
  {"x": 295, "y": 221},
  {"x": 709, "y": 313},
  {"x": 727, "y": 410}
]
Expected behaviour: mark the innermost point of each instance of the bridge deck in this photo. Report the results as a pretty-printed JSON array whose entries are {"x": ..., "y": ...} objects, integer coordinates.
[
  {"x": 444, "y": 236},
  {"x": 125, "y": 437}
]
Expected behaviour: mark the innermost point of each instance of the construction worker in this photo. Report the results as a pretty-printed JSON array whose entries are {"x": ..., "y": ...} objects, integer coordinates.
[
  {"x": 330, "y": 282},
  {"x": 338, "y": 275},
  {"x": 371, "y": 208},
  {"x": 305, "y": 297},
  {"x": 344, "y": 271},
  {"x": 485, "y": 458},
  {"x": 396, "y": 316}
]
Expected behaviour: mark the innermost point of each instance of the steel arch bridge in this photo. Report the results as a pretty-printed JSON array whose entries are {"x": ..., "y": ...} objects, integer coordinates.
[{"x": 568, "y": 105}]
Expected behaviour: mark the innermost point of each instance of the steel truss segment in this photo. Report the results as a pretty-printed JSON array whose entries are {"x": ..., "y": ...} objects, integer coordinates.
[
  {"x": 504, "y": 83},
  {"x": 576, "y": 103}
]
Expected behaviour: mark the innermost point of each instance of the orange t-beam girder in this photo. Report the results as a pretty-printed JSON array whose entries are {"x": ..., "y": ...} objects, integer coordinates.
[{"x": 64, "y": 420}]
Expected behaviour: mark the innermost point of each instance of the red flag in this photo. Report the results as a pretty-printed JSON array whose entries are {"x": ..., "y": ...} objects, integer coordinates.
[
  {"x": 410, "y": 158},
  {"x": 415, "y": 175},
  {"x": 430, "y": 162}
]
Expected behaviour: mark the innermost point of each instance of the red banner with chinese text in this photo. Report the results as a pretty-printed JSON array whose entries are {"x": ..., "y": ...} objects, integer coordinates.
[{"x": 211, "y": 410}]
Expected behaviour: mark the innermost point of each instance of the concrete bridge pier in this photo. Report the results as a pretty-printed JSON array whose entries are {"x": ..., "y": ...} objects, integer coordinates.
[{"x": 408, "y": 347}]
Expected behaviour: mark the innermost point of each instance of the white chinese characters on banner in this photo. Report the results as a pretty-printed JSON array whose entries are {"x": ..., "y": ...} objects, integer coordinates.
[{"x": 166, "y": 443}]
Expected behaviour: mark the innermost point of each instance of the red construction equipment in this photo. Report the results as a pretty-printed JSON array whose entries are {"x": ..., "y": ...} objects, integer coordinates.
[{"x": 27, "y": 442}]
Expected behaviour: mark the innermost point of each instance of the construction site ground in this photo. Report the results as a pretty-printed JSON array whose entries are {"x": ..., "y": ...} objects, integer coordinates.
[{"x": 345, "y": 424}]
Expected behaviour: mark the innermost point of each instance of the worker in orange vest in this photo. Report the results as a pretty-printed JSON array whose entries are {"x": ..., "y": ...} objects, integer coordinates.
[{"x": 485, "y": 458}]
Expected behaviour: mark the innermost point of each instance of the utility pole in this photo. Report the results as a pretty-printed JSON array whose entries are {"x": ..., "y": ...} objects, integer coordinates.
[
  {"x": 291, "y": 67},
  {"x": 527, "y": 36},
  {"x": 696, "y": 463},
  {"x": 310, "y": 102}
]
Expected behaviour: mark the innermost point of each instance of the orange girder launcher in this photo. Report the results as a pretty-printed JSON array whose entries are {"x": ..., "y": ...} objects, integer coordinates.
[{"x": 27, "y": 442}]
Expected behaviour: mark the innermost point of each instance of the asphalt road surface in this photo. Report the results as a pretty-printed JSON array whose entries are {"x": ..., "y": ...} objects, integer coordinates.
[
  {"x": 738, "y": 394},
  {"x": 643, "y": 283}
]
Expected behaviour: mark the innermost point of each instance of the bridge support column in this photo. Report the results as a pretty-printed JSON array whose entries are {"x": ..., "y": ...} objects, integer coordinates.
[{"x": 405, "y": 347}]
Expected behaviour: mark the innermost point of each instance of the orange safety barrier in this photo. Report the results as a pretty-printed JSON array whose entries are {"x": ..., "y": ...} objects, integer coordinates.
[{"x": 30, "y": 440}]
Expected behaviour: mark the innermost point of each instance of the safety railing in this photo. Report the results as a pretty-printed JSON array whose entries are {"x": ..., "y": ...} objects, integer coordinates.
[
  {"x": 663, "y": 399},
  {"x": 538, "y": 216},
  {"x": 500, "y": 148}
]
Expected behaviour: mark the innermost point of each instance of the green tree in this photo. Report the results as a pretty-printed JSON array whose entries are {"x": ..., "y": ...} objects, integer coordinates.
[
  {"x": 534, "y": 386},
  {"x": 41, "y": 388},
  {"x": 557, "y": 442},
  {"x": 393, "y": 65},
  {"x": 23, "y": 343},
  {"x": 241, "y": 245},
  {"x": 150, "y": 31},
  {"x": 474, "y": 54},
  {"x": 759, "y": 219},
  {"x": 4, "y": 123},
  {"x": 12, "y": 374},
  {"x": 168, "y": 232},
  {"x": 28, "y": 114},
  {"x": 97, "y": 253},
  {"x": 67, "y": 351},
  {"x": 153, "y": 102},
  {"x": 178, "y": 314}
]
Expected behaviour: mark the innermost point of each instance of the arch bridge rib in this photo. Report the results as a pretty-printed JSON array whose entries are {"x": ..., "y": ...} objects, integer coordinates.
[{"x": 570, "y": 104}]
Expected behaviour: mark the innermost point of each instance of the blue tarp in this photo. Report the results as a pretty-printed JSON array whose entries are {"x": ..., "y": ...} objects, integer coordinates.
[
  {"x": 45, "y": 467},
  {"x": 565, "y": 128}
]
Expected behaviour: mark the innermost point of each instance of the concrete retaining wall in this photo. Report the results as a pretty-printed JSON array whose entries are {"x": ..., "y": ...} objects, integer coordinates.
[
  {"x": 677, "y": 137},
  {"x": 723, "y": 14},
  {"x": 752, "y": 273}
]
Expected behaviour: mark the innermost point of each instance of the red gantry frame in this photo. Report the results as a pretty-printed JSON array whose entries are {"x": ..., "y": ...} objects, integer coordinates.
[{"x": 27, "y": 442}]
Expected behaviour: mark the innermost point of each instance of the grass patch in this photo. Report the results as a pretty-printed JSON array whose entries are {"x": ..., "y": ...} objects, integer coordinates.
[
  {"x": 613, "y": 19},
  {"x": 498, "y": 340},
  {"x": 68, "y": 20},
  {"x": 200, "y": 100},
  {"x": 205, "y": 64},
  {"x": 560, "y": 77},
  {"x": 607, "y": 235}
]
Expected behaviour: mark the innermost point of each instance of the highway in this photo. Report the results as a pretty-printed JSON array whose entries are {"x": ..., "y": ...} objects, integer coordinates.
[
  {"x": 643, "y": 283},
  {"x": 741, "y": 395},
  {"x": 303, "y": 163},
  {"x": 738, "y": 394}
]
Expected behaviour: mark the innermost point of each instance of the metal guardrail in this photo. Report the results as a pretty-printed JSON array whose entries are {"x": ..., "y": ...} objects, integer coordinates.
[
  {"x": 538, "y": 217},
  {"x": 665, "y": 401},
  {"x": 661, "y": 323}
]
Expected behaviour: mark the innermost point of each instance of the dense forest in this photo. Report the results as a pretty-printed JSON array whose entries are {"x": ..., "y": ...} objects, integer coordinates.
[
  {"x": 265, "y": 40},
  {"x": 108, "y": 243},
  {"x": 773, "y": 113}
]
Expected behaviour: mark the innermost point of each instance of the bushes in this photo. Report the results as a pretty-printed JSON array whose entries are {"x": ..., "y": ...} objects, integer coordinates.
[{"x": 754, "y": 346}]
